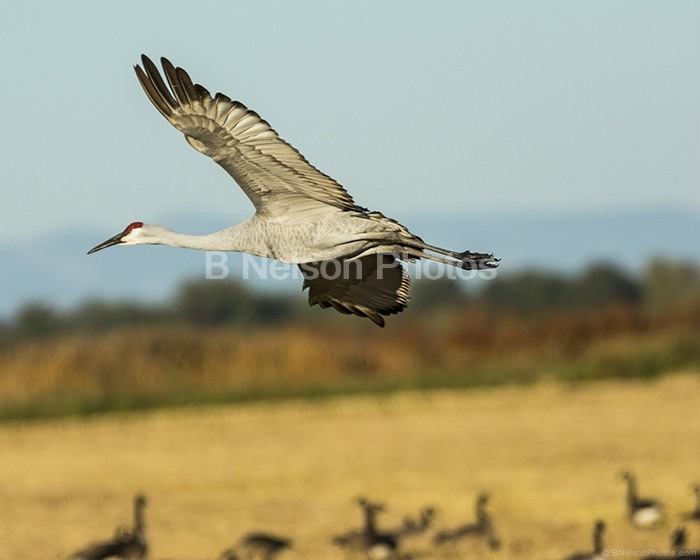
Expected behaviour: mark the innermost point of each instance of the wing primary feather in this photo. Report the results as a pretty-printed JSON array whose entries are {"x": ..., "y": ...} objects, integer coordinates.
[
  {"x": 222, "y": 97},
  {"x": 155, "y": 77},
  {"x": 377, "y": 319},
  {"x": 174, "y": 81},
  {"x": 201, "y": 91},
  {"x": 187, "y": 86},
  {"x": 153, "y": 93}
]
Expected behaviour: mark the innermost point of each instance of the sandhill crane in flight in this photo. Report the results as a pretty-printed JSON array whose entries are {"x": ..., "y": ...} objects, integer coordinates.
[{"x": 302, "y": 216}]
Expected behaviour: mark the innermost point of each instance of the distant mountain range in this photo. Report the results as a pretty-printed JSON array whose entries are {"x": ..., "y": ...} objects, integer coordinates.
[{"x": 56, "y": 269}]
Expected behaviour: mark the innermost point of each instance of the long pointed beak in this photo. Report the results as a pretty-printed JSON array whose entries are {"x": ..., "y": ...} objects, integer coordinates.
[{"x": 116, "y": 240}]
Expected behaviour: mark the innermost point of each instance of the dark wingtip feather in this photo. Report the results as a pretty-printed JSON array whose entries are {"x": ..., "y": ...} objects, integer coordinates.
[
  {"x": 155, "y": 87},
  {"x": 201, "y": 90},
  {"x": 157, "y": 79},
  {"x": 152, "y": 93},
  {"x": 377, "y": 320},
  {"x": 164, "y": 62},
  {"x": 222, "y": 97},
  {"x": 187, "y": 86},
  {"x": 171, "y": 75}
]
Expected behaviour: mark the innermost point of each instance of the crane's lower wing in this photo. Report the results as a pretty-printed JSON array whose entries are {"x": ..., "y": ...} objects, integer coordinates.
[{"x": 370, "y": 286}]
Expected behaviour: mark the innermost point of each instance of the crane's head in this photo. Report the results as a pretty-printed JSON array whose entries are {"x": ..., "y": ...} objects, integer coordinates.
[{"x": 132, "y": 235}]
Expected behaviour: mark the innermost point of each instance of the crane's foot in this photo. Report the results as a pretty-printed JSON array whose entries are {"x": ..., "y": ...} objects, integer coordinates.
[{"x": 479, "y": 261}]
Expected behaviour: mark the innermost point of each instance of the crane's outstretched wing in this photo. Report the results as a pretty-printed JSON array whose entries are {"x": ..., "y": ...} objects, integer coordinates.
[
  {"x": 272, "y": 173},
  {"x": 370, "y": 286}
]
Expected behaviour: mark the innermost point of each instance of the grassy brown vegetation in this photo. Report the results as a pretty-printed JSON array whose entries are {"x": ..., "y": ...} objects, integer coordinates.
[
  {"x": 143, "y": 366},
  {"x": 548, "y": 453}
]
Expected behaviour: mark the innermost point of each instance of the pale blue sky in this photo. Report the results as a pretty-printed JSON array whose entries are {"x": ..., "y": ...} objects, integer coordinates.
[{"x": 416, "y": 107}]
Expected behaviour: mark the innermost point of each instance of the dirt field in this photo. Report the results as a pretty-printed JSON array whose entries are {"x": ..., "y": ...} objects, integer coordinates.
[{"x": 549, "y": 455}]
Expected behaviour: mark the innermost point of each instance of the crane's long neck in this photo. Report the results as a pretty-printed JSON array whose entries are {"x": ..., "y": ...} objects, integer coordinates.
[{"x": 243, "y": 237}]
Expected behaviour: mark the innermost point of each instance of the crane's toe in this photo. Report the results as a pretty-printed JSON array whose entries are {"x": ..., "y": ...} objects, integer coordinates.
[{"x": 479, "y": 261}]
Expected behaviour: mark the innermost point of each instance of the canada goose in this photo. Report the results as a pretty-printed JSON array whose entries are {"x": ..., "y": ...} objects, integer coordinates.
[
  {"x": 678, "y": 541},
  {"x": 642, "y": 512},
  {"x": 414, "y": 533},
  {"x": 695, "y": 514},
  {"x": 597, "y": 553},
  {"x": 121, "y": 533},
  {"x": 126, "y": 544},
  {"x": 369, "y": 515},
  {"x": 369, "y": 541},
  {"x": 373, "y": 546},
  {"x": 411, "y": 526},
  {"x": 483, "y": 526},
  {"x": 257, "y": 546}
]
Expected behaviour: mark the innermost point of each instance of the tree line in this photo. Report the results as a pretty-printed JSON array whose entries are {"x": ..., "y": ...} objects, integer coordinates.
[{"x": 661, "y": 285}]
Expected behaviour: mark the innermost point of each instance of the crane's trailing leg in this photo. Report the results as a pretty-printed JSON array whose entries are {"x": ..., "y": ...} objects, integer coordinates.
[
  {"x": 469, "y": 259},
  {"x": 393, "y": 237},
  {"x": 478, "y": 261},
  {"x": 466, "y": 260}
]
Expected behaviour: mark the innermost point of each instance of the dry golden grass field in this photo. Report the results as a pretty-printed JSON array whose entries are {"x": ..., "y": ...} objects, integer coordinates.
[{"x": 549, "y": 455}]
